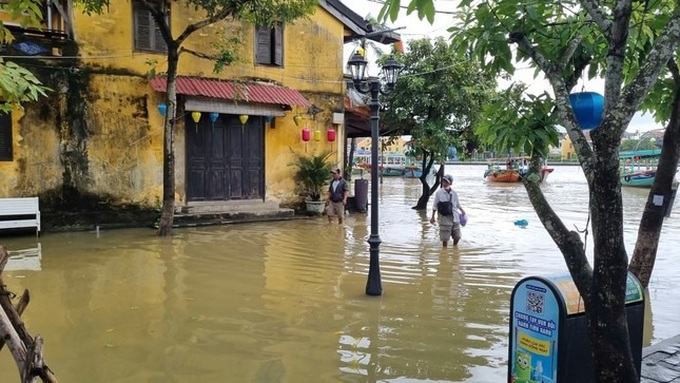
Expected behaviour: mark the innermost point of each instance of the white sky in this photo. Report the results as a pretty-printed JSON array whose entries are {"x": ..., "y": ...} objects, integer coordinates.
[{"x": 416, "y": 29}]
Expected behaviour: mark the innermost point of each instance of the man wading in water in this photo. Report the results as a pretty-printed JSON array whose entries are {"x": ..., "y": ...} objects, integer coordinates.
[{"x": 446, "y": 208}]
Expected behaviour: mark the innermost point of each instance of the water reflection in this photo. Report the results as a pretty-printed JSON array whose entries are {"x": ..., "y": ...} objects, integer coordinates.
[{"x": 285, "y": 302}]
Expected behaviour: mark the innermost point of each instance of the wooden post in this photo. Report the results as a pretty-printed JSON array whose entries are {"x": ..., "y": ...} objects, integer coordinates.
[{"x": 27, "y": 352}]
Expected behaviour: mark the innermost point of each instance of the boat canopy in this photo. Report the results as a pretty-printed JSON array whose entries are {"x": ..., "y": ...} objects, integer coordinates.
[{"x": 649, "y": 153}]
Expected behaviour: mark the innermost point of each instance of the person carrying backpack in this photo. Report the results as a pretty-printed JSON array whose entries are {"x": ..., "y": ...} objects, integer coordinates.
[{"x": 446, "y": 208}]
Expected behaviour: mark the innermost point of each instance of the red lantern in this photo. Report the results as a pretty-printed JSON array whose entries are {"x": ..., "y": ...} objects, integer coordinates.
[
  {"x": 330, "y": 135},
  {"x": 306, "y": 134}
]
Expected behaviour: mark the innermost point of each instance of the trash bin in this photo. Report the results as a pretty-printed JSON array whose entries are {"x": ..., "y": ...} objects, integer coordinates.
[
  {"x": 361, "y": 195},
  {"x": 549, "y": 334}
]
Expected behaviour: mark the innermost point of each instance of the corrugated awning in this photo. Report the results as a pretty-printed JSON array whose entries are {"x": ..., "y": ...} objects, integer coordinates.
[{"x": 261, "y": 93}]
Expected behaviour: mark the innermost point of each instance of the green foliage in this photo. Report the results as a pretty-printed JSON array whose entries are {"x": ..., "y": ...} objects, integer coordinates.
[
  {"x": 313, "y": 173},
  {"x": 567, "y": 38},
  {"x": 93, "y": 6},
  {"x": 516, "y": 124},
  {"x": 227, "y": 55},
  {"x": 27, "y": 13},
  {"x": 438, "y": 97},
  {"x": 17, "y": 85}
]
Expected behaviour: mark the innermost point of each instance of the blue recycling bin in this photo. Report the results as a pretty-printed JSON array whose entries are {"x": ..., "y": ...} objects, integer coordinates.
[{"x": 549, "y": 334}]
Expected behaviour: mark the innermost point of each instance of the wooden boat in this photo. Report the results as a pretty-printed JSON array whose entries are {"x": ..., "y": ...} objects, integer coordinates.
[
  {"x": 638, "y": 168},
  {"x": 513, "y": 171},
  {"x": 503, "y": 175}
]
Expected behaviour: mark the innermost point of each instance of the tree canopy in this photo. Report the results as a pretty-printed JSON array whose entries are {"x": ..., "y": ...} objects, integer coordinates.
[{"x": 438, "y": 100}]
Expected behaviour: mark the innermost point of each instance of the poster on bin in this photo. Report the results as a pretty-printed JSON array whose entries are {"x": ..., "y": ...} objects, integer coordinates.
[{"x": 534, "y": 326}]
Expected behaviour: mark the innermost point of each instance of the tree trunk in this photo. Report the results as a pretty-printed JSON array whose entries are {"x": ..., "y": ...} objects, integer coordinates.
[
  {"x": 602, "y": 288},
  {"x": 168, "y": 209},
  {"x": 607, "y": 327},
  {"x": 427, "y": 189},
  {"x": 649, "y": 231}
]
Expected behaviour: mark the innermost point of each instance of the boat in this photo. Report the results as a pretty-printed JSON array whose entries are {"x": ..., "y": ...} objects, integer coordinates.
[
  {"x": 513, "y": 170},
  {"x": 391, "y": 171},
  {"x": 637, "y": 168},
  {"x": 412, "y": 171},
  {"x": 390, "y": 164}
]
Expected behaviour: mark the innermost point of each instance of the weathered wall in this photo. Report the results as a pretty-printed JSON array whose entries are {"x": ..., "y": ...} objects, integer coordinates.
[
  {"x": 313, "y": 65},
  {"x": 97, "y": 139}
]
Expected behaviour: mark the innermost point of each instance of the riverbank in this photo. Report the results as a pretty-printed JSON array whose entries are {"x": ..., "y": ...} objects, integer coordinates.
[{"x": 550, "y": 164}]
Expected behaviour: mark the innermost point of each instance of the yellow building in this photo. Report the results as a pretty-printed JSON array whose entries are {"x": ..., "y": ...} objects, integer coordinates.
[
  {"x": 97, "y": 139},
  {"x": 387, "y": 144},
  {"x": 568, "y": 151}
]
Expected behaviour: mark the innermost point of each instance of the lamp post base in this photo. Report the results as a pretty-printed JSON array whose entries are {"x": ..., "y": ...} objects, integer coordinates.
[{"x": 374, "y": 283}]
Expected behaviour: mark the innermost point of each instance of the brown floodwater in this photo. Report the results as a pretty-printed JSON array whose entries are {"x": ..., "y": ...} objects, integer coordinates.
[{"x": 285, "y": 302}]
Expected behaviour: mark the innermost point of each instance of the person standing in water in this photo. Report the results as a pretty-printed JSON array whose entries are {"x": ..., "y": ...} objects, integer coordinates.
[{"x": 447, "y": 210}]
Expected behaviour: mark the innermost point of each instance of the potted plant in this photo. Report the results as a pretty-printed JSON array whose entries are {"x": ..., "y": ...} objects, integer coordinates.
[{"x": 312, "y": 176}]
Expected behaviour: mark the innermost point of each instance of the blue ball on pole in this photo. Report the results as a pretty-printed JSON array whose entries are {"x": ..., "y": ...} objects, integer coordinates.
[{"x": 588, "y": 107}]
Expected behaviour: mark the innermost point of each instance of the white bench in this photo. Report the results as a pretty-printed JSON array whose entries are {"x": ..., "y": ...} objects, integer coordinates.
[{"x": 18, "y": 213}]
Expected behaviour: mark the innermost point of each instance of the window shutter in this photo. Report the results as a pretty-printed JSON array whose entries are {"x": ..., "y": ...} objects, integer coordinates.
[
  {"x": 142, "y": 29},
  {"x": 278, "y": 44},
  {"x": 6, "y": 137},
  {"x": 159, "y": 44},
  {"x": 263, "y": 53}
]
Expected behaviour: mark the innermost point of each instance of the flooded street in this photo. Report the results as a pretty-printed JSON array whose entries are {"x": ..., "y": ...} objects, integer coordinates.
[{"x": 284, "y": 301}]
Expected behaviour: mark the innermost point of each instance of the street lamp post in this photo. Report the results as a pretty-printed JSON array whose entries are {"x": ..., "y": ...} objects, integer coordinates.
[{"x": 373, "y": 86}]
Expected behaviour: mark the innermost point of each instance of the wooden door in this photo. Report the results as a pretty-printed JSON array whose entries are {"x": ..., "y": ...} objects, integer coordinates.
[{"x": 225, "y": 160}]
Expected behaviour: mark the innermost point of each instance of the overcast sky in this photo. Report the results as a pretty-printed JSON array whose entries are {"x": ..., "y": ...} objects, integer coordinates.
[{"x": 413, "y": 28}]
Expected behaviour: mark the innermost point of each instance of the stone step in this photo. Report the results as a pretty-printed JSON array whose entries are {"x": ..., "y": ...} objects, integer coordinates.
[
  {"x": 228, "y": 206},
  {"x": 228, "y": 212}
]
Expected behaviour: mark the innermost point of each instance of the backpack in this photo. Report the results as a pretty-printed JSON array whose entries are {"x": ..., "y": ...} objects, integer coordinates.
[{"x": 445, "y": 207}]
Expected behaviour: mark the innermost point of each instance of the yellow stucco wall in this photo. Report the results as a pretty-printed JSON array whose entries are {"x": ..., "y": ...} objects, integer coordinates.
[
  {"x": 124, "y": 141},
  {"x": 568, "y": 151},
  {"x": 36, "y": 157}
]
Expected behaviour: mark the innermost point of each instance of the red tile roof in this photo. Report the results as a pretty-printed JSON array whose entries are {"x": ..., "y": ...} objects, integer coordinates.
[{"x": 246, "y": 91}]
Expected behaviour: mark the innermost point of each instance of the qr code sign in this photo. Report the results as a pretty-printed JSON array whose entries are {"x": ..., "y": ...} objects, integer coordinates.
[{"x": 535, "y": 302}]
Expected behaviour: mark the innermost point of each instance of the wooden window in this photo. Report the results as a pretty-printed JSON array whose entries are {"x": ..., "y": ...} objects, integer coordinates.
[
  {"x": 269, "y": 45},
  {"x": 147, "y": 33},
  {"x": 6, "y": 137}
]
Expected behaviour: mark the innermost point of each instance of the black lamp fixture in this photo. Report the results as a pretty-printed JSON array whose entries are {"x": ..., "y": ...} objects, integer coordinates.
[{"x": 390, "y": 69}]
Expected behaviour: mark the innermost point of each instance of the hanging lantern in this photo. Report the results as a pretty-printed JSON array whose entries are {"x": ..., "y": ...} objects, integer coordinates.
[
  {"x": 588, "y": 107},
  {"x": 297, "y": 119},
  {"x": 163, "y": 109},
  {"x": 317, "y": 135},
  {"x": 243, "y": 118},
  {"x": 306, "y": 134},
  {"x": 196, "y": 116},
  {"x": 330, "y": 135},
  {"x": 268, "y": 120},
  {"x": 213, "y": 116}
]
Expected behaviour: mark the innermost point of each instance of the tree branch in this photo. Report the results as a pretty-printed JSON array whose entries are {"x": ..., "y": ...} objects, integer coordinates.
[
  {"x": 198, "y": 54},
  {"x": 593, "y": 9},
  {"x": 569, "y": 53},
  {"x": 561, "y": 90},
  {"x": 658, "y": 58},
  {"x": 569, "y": 242},
  {"x": 191, "y": 28}
]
